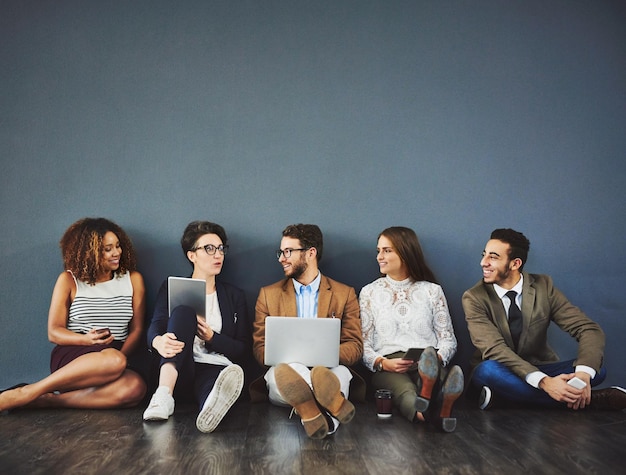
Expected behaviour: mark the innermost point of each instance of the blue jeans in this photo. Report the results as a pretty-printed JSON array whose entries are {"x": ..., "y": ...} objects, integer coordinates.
[{"x": 506, "y": 385}]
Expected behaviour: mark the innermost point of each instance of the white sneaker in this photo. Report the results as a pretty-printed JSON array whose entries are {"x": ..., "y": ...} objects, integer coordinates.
[
  {"x": 161, "y": 405},
  {"x": 221, "y": 398},
  {"x": 485, "y": 398}
]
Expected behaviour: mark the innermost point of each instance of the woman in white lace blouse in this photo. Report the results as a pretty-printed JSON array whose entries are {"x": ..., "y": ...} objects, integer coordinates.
[{"x": 406, "y": 308}]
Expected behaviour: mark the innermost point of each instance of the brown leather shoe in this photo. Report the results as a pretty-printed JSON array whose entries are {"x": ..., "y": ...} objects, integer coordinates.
[
  {"x": 450, "y": 392},
  {"x": 609, "y": 399},
  {"x": 327, "y": 389},
  {"x": 298, "y": 394},
  {"x": 428, "y": 369},
  {"x": 439, "y": 412}
]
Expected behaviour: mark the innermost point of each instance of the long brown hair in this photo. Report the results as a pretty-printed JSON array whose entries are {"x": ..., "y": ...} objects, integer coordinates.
[
  {"x": 81, "y": 248},
  {"x": 407, "y": 245}
]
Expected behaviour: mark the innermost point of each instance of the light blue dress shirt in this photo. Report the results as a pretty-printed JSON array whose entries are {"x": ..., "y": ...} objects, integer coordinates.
[{"x": 306, "y": 297}]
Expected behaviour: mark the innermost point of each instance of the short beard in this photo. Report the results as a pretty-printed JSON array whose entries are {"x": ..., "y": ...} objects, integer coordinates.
[
  {"x": 501, "y": 276},
  {"x": 298, "y": 269}
]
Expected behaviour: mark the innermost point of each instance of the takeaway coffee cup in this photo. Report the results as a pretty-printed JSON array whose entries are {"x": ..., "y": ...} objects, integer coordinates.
[{"x": 383, "y": 403}]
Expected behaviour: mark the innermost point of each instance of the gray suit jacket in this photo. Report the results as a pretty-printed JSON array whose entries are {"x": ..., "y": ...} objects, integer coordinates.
[{"x": 542, "y": 303}]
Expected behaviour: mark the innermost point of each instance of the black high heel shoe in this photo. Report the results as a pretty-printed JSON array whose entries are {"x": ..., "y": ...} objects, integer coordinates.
[{"x": 19, "y": 385}]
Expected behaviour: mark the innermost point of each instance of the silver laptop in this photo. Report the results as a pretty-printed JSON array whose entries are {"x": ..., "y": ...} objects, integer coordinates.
[
  {"x": 187, "y": 291},
  {"x": 310, "y": 341}
]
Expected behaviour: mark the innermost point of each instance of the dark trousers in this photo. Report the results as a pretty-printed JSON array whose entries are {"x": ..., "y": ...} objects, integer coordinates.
[
  {"x": 404, "y": 387},
  {"x": 195, "y": 380}
]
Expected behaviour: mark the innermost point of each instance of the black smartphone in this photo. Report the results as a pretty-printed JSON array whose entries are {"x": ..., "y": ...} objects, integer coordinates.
[
  {"x": 103, "y": 331},
  {"x": 413, "y": 354}
]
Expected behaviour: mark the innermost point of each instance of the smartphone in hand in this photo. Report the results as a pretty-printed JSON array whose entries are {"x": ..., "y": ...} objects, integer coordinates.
[
  {"x": 577, "y": 383},
  {"x": 103, "y": 332},
  {"x": 413, "y": 354}
]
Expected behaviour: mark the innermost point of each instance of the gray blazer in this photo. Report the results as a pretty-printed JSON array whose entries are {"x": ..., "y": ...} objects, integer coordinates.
[{"x": 542, "y": 303}]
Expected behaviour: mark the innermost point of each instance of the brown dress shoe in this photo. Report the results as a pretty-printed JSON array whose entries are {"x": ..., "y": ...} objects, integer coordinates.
[
  {"x": 327, "y": 389},
  {"x": 609, "y": 399},
  {"x": 298, "y": 394}
]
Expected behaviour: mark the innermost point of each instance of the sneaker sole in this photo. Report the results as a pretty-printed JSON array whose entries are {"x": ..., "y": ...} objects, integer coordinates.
[
  {"x": 485, "y": 403},
  {"x": 155, "y": 418},
  {"x": 228, "y": 387},
  {"x": 148, "y": 416}
]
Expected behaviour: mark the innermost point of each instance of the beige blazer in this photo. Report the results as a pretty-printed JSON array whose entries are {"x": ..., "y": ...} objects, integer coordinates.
[{"x": 542, "y": 304}]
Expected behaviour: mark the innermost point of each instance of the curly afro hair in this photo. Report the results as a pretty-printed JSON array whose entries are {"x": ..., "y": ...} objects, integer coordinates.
[{"x": 81, "y": 248}]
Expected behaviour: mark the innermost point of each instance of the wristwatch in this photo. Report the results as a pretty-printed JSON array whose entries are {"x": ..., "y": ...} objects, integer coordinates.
[{"x": 379, "y": 366}]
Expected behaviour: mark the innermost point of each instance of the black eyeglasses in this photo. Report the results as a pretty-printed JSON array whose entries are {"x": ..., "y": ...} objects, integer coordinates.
[
  {"x": 210, "y": 249},
  {"x": 287, "y": 252}
]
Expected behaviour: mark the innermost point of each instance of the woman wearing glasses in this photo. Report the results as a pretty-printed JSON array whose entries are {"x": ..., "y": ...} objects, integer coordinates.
[
  {"x": 199, "y": 355},
  {"x": 403, "y": 309}
]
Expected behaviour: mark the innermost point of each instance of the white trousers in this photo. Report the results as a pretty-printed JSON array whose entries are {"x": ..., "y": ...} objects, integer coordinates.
[{"x": 343, "y": 374}]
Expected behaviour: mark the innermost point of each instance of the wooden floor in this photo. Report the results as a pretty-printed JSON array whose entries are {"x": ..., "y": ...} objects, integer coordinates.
[{"x": 260, "y": 438}]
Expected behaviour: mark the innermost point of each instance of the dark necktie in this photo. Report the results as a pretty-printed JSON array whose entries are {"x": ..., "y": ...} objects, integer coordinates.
[{"x": 515, "y": 318}]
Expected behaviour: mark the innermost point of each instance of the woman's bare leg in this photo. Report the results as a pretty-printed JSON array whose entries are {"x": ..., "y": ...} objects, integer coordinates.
[
  {"x": 168, "y": 376},
  {"x": 87, "y": 371},
  {"x": 126, "y": 391}
]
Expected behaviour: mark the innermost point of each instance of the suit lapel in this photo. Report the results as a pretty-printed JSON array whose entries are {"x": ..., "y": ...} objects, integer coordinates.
[
  {"x": 499, "y": 314},
  {"x": 225, "y": 309},
  {"x": 288, "y": 304},
  {"x": 528, "y": 303},
  {"x": 323, "y": 299}
]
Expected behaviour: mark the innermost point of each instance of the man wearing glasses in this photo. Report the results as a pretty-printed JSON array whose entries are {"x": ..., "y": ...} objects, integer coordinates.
[{"x": 320, "y": 395}]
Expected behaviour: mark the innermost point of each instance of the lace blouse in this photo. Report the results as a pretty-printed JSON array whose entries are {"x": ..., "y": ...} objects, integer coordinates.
[{"x": 398, "y": 315}]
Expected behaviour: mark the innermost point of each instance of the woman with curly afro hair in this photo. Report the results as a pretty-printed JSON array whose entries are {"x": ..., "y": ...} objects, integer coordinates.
[{"x": 96, "y": 321}]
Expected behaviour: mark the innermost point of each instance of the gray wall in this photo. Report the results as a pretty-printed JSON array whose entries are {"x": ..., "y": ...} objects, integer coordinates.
[{"x": 450, "y": 117}]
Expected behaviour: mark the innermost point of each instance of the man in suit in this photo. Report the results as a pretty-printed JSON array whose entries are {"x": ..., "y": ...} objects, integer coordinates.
[
  {"x": 508, "y": 314},
  {"x": 320, "y": 395}
]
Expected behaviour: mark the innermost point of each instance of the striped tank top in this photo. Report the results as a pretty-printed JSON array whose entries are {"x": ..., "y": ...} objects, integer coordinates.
[{"x": 103, "y": 305}]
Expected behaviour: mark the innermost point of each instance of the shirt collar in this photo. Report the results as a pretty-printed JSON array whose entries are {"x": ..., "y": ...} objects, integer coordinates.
[
  {"x": 501, "y": 291},
  {"x": 315, "y": 285}
]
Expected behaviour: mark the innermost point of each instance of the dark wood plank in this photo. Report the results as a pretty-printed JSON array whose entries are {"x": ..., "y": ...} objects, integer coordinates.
[{"x": 260, "y": 439}]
